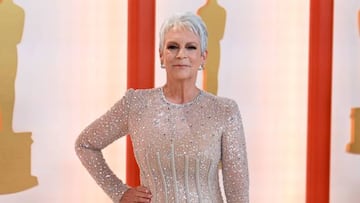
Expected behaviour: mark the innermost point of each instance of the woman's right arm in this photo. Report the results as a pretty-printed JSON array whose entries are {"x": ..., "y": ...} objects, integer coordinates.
[{"x": 99, "y": 134}]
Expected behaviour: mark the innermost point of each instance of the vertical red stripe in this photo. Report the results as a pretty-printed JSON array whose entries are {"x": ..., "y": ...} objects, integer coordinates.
[
  {"x": 141, "y": 60},
  {"x": 319, "y": 101}
]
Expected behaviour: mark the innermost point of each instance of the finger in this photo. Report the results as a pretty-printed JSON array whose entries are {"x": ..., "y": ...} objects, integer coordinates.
[
  {"x": 142, "y": 200},
  {"x": 143, "y": 195},
  {"x": 143, "y": 189}
]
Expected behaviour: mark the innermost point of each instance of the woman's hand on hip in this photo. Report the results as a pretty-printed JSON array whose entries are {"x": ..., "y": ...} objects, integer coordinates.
[{"x": 137, "y": 194}]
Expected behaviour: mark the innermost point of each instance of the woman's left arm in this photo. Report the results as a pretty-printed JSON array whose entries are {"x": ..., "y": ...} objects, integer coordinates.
[{"x": 234, "y": 157}]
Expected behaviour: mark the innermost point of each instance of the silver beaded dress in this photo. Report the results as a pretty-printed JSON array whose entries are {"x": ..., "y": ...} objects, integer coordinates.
[{"x": 178, "y": 147}]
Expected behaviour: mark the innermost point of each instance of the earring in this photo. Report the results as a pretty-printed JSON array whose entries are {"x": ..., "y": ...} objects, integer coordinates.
[
  {"x": 201, "y": 67},
  {"x": 162, "y": 66}
]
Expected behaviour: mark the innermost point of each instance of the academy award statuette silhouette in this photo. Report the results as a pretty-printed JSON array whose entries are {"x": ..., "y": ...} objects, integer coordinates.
[
  {"x": 15, "y": 151},
  {"x": 214, "y": 16},
  {"x": 354, "y": 145}
]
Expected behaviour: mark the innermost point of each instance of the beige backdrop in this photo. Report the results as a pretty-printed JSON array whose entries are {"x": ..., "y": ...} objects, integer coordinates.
[
  {"x": 71, "y": 68},
  {"x": 345, "y": 167}
]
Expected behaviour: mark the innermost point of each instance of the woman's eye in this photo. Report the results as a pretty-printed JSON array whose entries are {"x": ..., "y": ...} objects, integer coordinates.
[
  {"x": 172, "y": 47},
  {"x": 192, "y": 47}
]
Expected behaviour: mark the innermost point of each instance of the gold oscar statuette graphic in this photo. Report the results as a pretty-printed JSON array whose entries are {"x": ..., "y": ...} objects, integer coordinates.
[
  {"x": 354, "y": 145},
  {"x": 214, "y": 17},
  {"x": 15, "y": 147}
]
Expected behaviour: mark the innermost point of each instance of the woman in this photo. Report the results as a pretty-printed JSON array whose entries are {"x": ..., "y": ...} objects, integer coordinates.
[{"x": 180, "y": 133}]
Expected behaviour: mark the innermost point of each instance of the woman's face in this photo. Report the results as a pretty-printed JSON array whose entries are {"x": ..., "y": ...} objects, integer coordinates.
[{"x": 181, "y": 55}]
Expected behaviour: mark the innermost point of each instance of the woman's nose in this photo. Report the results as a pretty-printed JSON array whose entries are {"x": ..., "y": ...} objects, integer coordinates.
[{"x": 181, "y": 53}]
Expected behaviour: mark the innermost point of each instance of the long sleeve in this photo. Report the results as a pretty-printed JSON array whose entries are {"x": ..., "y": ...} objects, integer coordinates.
[
  {"x": 234, "y": 158},
  {"x": 99, "y": 134}
]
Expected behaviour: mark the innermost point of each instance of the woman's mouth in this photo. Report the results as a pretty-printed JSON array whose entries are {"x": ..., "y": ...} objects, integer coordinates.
[{"x": 181, "y": 66}]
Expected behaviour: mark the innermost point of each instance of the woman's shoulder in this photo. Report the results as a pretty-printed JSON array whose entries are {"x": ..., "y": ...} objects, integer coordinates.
[
  {"x": 136, "y": 93},
  {"x": 219, "y": 100},
  {"x": 141, "y": 95},
  {"x": 221, "y": 105}
]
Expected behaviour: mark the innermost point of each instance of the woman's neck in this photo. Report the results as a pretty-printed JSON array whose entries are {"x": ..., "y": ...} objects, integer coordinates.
[{"x": 180, "y": 93}]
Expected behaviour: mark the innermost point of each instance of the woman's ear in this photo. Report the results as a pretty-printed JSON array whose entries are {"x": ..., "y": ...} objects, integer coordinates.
[
  {"x": 204, "y": 55},
  {"x": 161, "y": 57}
]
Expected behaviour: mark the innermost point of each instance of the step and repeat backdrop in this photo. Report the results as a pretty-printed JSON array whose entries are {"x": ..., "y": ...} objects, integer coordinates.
[
  {"x": 345, "y": 144},
  {"x": 71, "y": 67},
  {"x": 67, "y": 62}
]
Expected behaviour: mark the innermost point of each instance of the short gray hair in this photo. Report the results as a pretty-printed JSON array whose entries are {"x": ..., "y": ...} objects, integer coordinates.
[{"x": 186, "y": 20}]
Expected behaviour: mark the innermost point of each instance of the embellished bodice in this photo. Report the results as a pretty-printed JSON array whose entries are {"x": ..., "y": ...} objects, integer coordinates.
[{"x": 178, "y": 147}]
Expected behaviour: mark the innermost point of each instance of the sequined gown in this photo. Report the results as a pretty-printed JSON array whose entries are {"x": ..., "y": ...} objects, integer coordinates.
[{"x": 178, "y": 147}]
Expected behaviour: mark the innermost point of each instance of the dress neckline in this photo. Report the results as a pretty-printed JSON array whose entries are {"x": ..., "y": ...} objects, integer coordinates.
[{"x": 195, "y": 99}]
